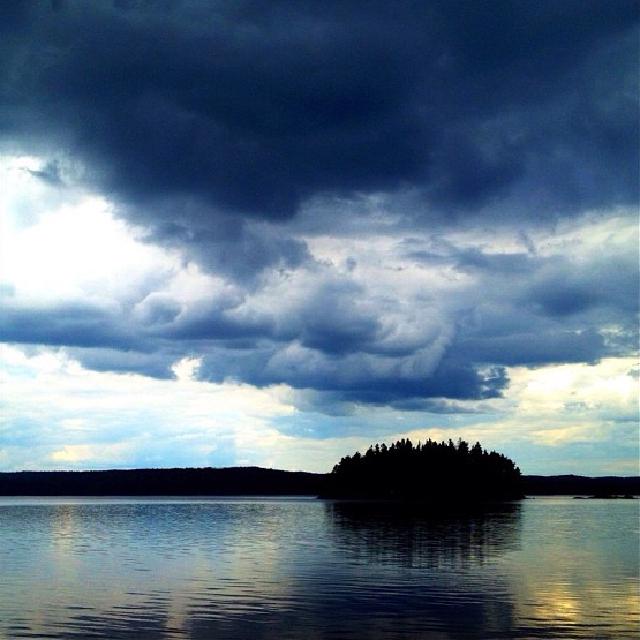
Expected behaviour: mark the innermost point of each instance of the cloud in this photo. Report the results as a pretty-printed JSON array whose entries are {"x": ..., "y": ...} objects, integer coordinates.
[
  {"x": 381, "y": 209},
  {"x": 256, "y": 108},
  {"x": 534, "y": 348},
  {"x": 237, "y": 249},
  {"x": 69, "y": 325},
  {"x": 83, "y": 453},
  {"x": 58, "y": 414},
  {"x": 50, "y": 173},
  {"x": 379, "y": 319}
]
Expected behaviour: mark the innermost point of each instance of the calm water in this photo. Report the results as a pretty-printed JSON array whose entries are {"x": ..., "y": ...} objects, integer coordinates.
[{"x": 305, "y": 568}]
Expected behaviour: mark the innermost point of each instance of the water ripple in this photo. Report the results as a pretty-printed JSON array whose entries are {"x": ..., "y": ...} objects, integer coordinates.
[{"x": 116, "y": 569}]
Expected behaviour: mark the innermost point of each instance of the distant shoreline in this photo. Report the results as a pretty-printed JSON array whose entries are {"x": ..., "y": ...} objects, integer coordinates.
[{"x": 253, "y": 481}]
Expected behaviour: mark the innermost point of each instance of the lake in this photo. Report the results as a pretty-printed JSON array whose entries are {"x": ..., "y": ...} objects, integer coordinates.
[{"x": 306, "y": 568}]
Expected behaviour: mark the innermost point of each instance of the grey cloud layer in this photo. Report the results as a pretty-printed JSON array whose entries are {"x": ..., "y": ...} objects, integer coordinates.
[
  {"x": 235, "y": 131},
  {"x": 255, "y": 107},
  {"x": 319, "y": 327}
]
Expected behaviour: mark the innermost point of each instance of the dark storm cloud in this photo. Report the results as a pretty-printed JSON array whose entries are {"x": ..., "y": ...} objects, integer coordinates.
[
  {"x": 49, "y": 174},
  {"x": 231, "y": 247},
  {"x": 352, "y": 378},
  {"x": 331, "y": 320},
  {"x": 231, "y": 129},
  {"x": 255, "y": 107},
  {"x": 329, "y": 334},
  {"x": 537, "y": 310},
  {"x": 156, "y": 364},
  {"x": 533, "y": 348},
  {"x": 435, "y": 405},
  {"x": 66, "y": 325},
  {"x": 561, "y": 289},
  {"x": 216, "y": 326}
]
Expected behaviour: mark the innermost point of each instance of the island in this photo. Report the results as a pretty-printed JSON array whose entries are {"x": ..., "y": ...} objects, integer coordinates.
[{"x": 432, "y": 472}]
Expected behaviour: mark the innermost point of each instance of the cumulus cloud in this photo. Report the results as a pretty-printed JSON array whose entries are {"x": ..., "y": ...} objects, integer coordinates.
[
  {"x": 68, "y": 416},
  {"x": 391, "y": 206},
  {"x": 58, "y": 414},
  {"x": 255, "y": 108},
  {"x": 439, "y": 317}
]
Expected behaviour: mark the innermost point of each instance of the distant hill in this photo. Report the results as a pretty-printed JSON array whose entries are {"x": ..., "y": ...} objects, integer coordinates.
[
  {"x": 164, "y": 482},
  {"x": 250, "y": 481},
  {"x": 581, "y": 485}
]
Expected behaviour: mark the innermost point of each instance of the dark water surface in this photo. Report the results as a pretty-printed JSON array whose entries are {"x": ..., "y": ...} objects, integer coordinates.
[{"x": 305, "y": 568}]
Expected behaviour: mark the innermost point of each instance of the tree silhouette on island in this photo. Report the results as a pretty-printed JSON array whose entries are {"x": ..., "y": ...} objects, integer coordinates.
[{"x": 429, "y": 472}]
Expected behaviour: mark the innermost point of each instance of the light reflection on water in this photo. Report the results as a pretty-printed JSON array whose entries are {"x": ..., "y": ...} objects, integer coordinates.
[{"x": 291, "y": 568}]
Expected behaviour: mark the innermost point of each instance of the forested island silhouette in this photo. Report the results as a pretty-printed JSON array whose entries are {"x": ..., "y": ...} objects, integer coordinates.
[
  {"x": 401, "y": 471},
  {"x": 429, "y": 472}
]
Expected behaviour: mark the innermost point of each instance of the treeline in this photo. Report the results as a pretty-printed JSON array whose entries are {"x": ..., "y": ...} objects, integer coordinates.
[
  {"x": 387, "y": 482},
  {"x": 432, "y": 472},
  {"x": 602, "y": 487},
  {"x": 161, "y": 482}
]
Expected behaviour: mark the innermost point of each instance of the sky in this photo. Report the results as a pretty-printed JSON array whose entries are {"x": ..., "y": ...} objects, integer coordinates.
[{"x": 249, "y": 233}]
